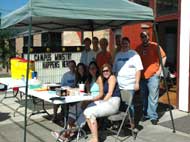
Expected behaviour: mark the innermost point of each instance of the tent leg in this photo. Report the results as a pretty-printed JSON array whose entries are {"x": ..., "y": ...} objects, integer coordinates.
[
  {"x": 164, "y": 74},
  {"x": 92, "y": 34},
  {"x": 27, "y": 74}
]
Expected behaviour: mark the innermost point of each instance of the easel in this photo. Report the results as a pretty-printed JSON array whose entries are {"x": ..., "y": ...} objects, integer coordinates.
[{"x": 164, "y": 75}]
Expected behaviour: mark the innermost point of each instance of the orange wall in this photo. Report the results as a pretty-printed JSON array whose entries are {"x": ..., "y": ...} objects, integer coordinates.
[
  {"x": 133, "y": 31},
  {"x": 80, "y": 36}
]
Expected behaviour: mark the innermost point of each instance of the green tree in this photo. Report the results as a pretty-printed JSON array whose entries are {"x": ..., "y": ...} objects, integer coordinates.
[{"x": 5, "y": 51}]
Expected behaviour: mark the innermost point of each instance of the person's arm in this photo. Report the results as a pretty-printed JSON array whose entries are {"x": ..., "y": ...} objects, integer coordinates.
[
  {"x": 100, "y": 84},
  {"x": 98, "y": 59},
  {"x": 114, "y": 65},
  {"x": 111, "y": 84},
  {"x": 139, "y": 67},
  {"x": 87, "y": 85},
  {"x": 137, "y": 79},
  {"x": 82, "y": 58},
  {"x": 92, "y": 55},
  {"x": 110, "y": 59},
  {"x": 63, "y": 83}
]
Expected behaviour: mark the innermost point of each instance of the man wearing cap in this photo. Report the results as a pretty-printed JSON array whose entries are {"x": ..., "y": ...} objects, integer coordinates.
[{"x": 150, "y": 78}]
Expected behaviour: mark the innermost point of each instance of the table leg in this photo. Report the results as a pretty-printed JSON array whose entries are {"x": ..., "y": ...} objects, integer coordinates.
[
  {"x": 35, "y": 102},
  {"x": 4, "y": 97},
  {"x": 15, "y": 92},
  {"x": 20, "y": 105}
]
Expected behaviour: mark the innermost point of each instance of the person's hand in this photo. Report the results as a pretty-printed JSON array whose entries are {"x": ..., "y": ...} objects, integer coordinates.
[
  {"x": 158, "y": 73},
  {"x": 105, "y": 99},
  {"x": 84, "y": 104},
  {"x": 136, "y": 86}
]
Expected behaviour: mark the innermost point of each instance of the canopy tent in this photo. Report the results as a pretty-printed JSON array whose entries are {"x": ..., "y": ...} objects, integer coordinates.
[
  {"x": 76, "y": 15},
  {"x": 86, "y": 15}
]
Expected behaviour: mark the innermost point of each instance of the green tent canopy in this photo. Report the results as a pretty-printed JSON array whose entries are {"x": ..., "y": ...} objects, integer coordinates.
[{"x": 75, "y": 15}]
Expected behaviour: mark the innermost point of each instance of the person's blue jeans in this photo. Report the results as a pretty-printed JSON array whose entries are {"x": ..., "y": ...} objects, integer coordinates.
[{"x": 149, "y": 89}]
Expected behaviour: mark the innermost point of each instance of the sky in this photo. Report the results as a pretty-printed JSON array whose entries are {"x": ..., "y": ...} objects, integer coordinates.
[{"x": 6, "y": 6}]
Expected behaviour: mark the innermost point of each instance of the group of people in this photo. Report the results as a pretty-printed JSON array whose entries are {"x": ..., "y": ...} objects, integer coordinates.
[
  {"x": 98, "y": 54},
  {"x": 104, "y": 77}
]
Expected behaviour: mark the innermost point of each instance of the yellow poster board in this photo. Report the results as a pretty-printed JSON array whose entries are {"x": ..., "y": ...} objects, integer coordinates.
[{"x": 19, "y": 68}]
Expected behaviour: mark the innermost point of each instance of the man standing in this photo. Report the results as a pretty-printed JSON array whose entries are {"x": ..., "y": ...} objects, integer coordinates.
[
  {"x": 95, "y": 47},
  {"x": 150, "y": 78},
  {"x": 87, "y": 55},
  {"x": 103, "y": 56}
]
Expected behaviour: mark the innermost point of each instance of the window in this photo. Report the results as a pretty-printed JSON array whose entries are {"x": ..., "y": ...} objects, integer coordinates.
[
  {"x": 166, "y": 7},
  {"x": 56, "y": 39},
  {"x": 26, "y": 41},
  {"x": 51, "y": 39},
  {"x": 142, "y": 2},
  {"x": 45, "y": 39}
]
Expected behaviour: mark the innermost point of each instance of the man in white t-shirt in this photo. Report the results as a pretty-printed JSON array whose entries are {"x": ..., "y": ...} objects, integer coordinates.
[{"x": 127, "y": 67}]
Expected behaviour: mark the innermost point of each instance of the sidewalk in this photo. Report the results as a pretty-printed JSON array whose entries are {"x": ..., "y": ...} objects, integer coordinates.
[
  {"x": 4, "y": 73},
  {"x": 39, "y": 128}
]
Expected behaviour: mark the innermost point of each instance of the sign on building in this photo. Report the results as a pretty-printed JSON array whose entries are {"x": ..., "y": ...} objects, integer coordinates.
[{"x": 50, "y": 63}]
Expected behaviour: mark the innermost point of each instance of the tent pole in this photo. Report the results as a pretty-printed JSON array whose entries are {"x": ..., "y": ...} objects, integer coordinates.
[
  {"x": 92, "y": 34},
  {"x": 27, "y": 75},
  {"x": 0, "y": 20},
  {"x": 164, "y": 74}
]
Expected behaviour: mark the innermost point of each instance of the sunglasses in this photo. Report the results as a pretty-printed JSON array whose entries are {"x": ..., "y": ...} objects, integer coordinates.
[
  {"x": 105, "y": 71},
  {"x": 143, "y": 36}
]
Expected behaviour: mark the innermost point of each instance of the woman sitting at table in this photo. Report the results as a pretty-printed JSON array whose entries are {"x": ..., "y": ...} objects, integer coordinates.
[
  {"x": 94, "y": 86},
  {"x": 75, "y": 108},
  {"x": 107, "y": 106},
  {"x": 81, "y": 74}
]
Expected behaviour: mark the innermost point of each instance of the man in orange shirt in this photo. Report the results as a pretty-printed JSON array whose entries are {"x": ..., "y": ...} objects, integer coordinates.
[
  {"x": 150, "y": 78},
  {"x": 103, "y": 56}
]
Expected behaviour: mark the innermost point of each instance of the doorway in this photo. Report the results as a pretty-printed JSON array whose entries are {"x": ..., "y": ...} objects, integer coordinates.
[{"x": 167, "y": 32}]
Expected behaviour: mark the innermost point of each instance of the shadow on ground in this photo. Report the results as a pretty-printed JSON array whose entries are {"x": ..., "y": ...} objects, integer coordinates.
[
  {"x": 4, "y": 116},
  {"x": 181, "y": 124},
  {"x": 162, "y": 108},
  {"x": 33, "y": 104}
]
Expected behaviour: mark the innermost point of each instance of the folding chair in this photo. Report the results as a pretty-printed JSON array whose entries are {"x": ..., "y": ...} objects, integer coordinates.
[
  {"x": 127, "y": 98},
  {"x": 3, "y": 88}
]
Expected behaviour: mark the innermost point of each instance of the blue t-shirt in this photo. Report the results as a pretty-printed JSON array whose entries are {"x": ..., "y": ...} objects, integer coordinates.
[{"x": 68, "y": 79}]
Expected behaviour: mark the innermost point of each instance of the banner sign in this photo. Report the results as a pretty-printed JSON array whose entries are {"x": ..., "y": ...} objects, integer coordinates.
[
  {"x": 52, "y": 60},
  {"x": 50, "y": 66}
]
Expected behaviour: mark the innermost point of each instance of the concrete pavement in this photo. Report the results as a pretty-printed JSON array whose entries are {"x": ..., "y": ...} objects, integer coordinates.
[{"x": 39, "y": 128}]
